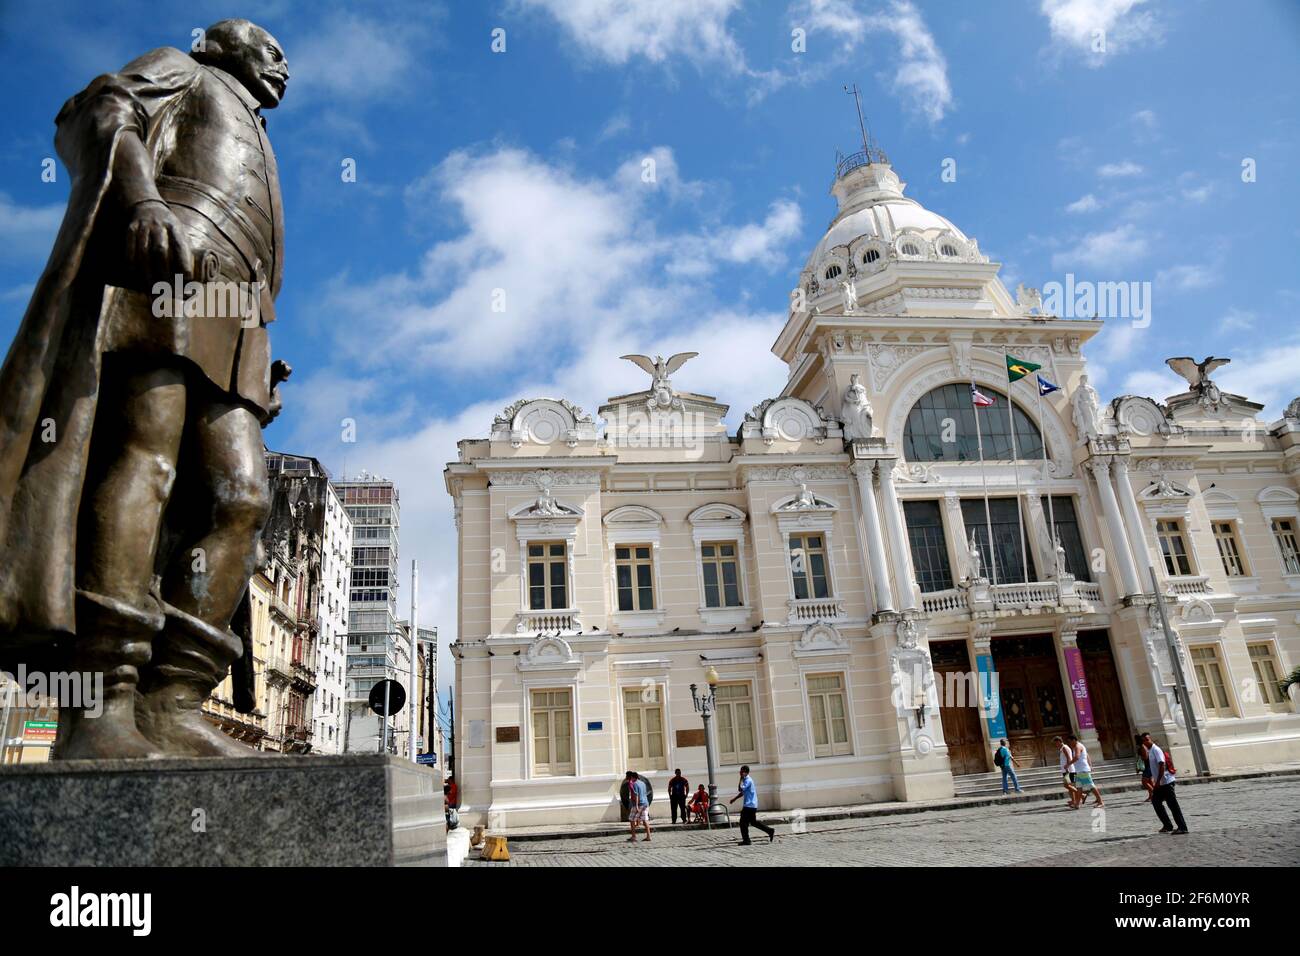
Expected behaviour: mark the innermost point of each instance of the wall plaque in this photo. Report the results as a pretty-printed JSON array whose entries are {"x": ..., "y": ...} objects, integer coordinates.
[
  {"x": 507, "y": 735},
  {"x": 690, "y": 738}
]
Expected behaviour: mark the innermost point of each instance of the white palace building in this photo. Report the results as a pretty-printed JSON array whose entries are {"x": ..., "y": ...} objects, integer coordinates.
[{"x": 831, "y": 562}]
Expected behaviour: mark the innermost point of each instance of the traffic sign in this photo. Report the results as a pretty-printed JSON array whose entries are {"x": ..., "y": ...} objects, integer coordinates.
[
  {"x": 396, "y": 698},
  {"x": 427, "y": 759}
]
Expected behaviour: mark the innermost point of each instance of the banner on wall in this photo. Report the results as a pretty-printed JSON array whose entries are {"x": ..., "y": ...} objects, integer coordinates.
[
  {"x": 1079, "y": 687},
  {"x": 990, "y": 699}
]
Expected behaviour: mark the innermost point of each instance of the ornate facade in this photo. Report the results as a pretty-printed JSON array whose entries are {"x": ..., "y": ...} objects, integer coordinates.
[{"x": 878, "y": 605}]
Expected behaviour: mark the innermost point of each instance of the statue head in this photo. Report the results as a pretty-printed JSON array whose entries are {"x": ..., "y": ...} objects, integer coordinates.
[{"x": 251, "y": 55}]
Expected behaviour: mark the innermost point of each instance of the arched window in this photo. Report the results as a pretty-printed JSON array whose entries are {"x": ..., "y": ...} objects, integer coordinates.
[
  {"x": 832, "y": 272},
  {"x": 941, "y": 427},
  {"x": 949, "y": 250},
  {"x": 910, "y": 249},
  {"x": 870, "y": 256}
]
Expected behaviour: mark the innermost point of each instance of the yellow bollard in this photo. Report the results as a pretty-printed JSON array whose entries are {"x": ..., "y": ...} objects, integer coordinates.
[{"x": 494, "y": 849}]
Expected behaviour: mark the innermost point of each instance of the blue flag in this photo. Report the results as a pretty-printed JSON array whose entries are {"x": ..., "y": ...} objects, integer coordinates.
[{"x": 1045, "y": 387}]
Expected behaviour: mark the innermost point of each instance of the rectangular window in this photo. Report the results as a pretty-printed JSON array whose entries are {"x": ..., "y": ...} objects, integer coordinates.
[
  {"x": 1173, "y": 545},
  {"x": 1010, "y": 546},
  {"x": 929, "y": 548},
  {"x": 547, "y": 576},
  {"x": 735, "y": 716},
  {"x": 1225, "y": 536},
  {"x": 633, "y": 570},
  {"x": 808, "y": 566},
  {"x": 1209, "y": 676},
  {"x": 552, "y": 713},
  {"x": 830, "y": 719},
  {"x": 644, "y": 720},
  {"x": 1285, "y": 535},
  {"x": 1266, "y": 670},
  {"x": 721, "y": 574},
  {"x": 1060, "y": 512}
]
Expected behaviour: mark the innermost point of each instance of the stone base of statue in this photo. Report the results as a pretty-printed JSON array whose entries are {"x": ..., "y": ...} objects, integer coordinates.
[{"x": 348, "y": 810}]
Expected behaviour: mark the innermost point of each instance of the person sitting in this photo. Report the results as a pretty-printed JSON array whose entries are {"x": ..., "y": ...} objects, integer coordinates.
[{"x": 700, "y": 805}]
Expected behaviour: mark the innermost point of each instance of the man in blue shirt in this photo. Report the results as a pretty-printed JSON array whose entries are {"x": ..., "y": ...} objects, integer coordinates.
[
  {"x": 638, "y": 805},
  {"x": 749, "y": 809},
  {"x": 1008, "y": 765}
]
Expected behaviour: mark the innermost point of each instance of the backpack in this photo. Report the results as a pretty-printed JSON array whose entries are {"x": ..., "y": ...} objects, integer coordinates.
[
  {"x": 998, "y": 759},
  {"x": 1169, "y": 763}
]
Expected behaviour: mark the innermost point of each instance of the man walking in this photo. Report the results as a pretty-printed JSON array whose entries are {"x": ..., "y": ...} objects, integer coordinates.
[
  {"x": 1162, "y": 774},
  {"x": 749, "y": 809},
  {"x": 1083, "y": 781},
  {"x": 1002, "y": 758},
  {"x": 678, "y": 788},
  {"x": 638, "y": 809}
]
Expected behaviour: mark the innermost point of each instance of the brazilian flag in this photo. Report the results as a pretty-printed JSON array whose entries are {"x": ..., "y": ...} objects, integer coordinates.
[{"x": 1018, "y": 369}]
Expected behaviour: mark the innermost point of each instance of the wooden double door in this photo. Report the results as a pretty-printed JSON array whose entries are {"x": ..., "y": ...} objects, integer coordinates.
[
  {"x": 1034, "y": 704},
  {"x": 1108, "y": 711},
  {"x": 960, "y": 718}
]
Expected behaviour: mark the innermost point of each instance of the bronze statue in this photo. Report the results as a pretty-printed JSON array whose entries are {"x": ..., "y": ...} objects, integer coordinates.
[{"x": 133, "y": 485}]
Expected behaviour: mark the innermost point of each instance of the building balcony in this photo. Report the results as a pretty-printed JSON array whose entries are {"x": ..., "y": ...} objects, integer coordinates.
[
  {"x": 1189, "y": 584},
  {"x": 564, "y": 620},
  {"x": 304, "y": 677},
  {"x": 812, "y": 610},
  {"x": 1033, "y": 597}
]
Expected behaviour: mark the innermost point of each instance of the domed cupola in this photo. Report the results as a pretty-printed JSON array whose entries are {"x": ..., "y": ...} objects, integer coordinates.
[{"x": 877, "y": 225}]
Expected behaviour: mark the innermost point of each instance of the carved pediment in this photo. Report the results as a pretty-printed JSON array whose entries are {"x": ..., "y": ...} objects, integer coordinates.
[
  {"x": 788, "y": 419},
  {"x": 543, "y": 421},
  {"x": 821, "y": 638}
]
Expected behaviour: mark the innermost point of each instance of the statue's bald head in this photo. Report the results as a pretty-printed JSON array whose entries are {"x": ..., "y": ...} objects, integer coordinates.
[{"x": 250, "y": 54}]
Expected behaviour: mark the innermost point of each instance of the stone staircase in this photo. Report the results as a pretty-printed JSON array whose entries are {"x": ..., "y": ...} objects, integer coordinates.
[{"x": 1123, "y": 770}]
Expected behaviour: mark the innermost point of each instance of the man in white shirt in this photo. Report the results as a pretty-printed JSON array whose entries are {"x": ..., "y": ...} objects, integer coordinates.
[{"x": 1162, "y": 775}]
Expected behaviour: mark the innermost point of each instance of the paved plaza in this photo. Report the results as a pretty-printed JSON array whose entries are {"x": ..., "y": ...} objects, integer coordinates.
[{"x": 1246, "y": 822}]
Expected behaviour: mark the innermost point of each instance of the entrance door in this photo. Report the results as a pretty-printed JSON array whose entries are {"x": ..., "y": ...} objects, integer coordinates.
[
  {"x": 961, "y": 724},
  {"x": 1108, "y": 711},
  {"x": 1033, "y": 703}
]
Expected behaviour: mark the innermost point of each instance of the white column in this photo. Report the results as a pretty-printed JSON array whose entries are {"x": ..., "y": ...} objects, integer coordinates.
[
  {"x": 1137, "y": 534},
  {"x": 904, "y": 579},
  {"x": 875, "y": 542},
  {"x": 1118, "y": 539}
]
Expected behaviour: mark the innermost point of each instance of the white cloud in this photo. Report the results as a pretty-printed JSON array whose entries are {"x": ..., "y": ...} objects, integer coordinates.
[
  {"x": 1154, "y": 384},
  {"x": 921, "y": 74},
  {"x": 27, "y": 232},
  {"x": 1237, "y": 320},
  {"x": 354, "y": 58},
  {"x": 617, "y": 31},
  {"x": 1083, "y": 204},
  {"x": 1116, "y": 170},
  {"x": 1146, "y": 119},
  {"x": 1108, "y": 251},
  {"x": 1266, "y": 376},
  {"x": 1186, "y": 278},
  {"x": 1097, "y": 29}
]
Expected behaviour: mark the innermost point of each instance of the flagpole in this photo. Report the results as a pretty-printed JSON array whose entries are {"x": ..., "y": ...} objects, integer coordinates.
[
  {"x": 1042, "y": 437},
  {"x": 984, "y": 480},
  {"x": 1015, "y": 471}
]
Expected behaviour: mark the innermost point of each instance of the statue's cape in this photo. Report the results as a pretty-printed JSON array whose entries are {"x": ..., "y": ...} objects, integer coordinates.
[{"x": 49, "y": 383}]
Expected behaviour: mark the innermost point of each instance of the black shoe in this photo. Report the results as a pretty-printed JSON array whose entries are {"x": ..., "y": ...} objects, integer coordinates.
[
  {"x": 1166, "y": 829},
  {"x": 745, "y": 843},
  {"x": 771, "y": 836},
  {"x": 1182, "y": 832}
]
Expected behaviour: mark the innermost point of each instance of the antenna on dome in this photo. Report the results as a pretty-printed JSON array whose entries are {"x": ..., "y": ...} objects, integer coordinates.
[{"x": 870, "y": 153}]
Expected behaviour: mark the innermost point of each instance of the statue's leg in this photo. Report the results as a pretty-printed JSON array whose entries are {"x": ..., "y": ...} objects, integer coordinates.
[
  {"x": 132, "y": 466},
  {"x": 204, "y": 580}
]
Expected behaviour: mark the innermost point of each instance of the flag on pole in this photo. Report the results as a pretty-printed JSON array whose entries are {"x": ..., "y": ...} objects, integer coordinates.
[
  {"x": 979, "y": 398},
  {"x": 1045, "y": 387},
  {"x": 1017, "y": 369}
]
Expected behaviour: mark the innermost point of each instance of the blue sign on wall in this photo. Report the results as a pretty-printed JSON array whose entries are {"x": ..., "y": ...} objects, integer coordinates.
[
  {"x": 426, "y": 759},
  {"x": 595, "y": 725},
  {"x": 990, "y": 699}
]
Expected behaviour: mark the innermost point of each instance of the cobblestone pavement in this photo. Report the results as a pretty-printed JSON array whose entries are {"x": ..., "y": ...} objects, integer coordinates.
[{"x": 1253, "y": 822}]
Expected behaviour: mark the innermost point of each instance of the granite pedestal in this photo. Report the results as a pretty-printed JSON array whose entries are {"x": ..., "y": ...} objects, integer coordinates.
[{"x": 348, "y": 810}]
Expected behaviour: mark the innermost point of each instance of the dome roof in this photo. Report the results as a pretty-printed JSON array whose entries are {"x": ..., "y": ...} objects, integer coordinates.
[{"x": 872, "y": 206}]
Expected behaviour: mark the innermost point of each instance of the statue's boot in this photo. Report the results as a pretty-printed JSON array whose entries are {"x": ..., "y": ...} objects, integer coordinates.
[
  {"x": 190, "y": 659},
  {"x": 114, "y": 638}
]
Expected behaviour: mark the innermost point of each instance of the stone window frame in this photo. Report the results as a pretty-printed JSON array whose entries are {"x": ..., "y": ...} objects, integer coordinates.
[
  {"x": 721, "y": 523},
  {"x": 1276, "y": 501},
  {"x": 632, "y": 525}
]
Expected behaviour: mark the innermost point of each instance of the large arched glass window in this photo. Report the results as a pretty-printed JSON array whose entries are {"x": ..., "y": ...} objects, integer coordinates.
[{"x": 941, "y": 427}]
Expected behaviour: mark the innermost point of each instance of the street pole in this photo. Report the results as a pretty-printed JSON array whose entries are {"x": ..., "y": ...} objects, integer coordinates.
[
  {"x": 383, "y": 736},
  {"x": 415, "y": 642},
  {"x": 704, "y": 705},
  {"x": 1189, "y": 717}
]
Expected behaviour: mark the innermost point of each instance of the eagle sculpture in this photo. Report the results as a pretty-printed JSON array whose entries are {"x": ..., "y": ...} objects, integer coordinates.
[
  {"x": 1196, "y": 373},
  {"x": 658, "y": 367}
]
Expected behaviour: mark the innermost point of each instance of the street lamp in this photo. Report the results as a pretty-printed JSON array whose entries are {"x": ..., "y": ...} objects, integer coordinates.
[{"x": 704, "y": 707}]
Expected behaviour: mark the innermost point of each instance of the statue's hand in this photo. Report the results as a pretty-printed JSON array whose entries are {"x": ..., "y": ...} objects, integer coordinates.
[
  {"x": 276, "y": 405},
  {"x": 156, "y": 247}
]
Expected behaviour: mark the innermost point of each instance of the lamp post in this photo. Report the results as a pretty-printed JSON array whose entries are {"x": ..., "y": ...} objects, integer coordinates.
[{"x": 704, "y": 707}]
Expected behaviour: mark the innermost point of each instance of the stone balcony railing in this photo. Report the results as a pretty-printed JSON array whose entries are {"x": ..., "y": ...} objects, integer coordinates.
[
  {"x": 564, "y": 621},
  {"x": 812, "y": 610},
  {"x": 1024, "y": 597},
  {"x": 1189, "y": 584}
]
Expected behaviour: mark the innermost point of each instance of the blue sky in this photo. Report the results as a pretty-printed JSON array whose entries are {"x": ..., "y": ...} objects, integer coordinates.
[{"x": 522, "y": 171}]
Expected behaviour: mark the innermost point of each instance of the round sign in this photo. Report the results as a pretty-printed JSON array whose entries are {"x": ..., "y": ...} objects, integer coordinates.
[{"x": 396, "y": 698}]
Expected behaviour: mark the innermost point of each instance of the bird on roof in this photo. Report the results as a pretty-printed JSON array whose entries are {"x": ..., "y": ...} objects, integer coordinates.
[{"x": 659, "y": 368}]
